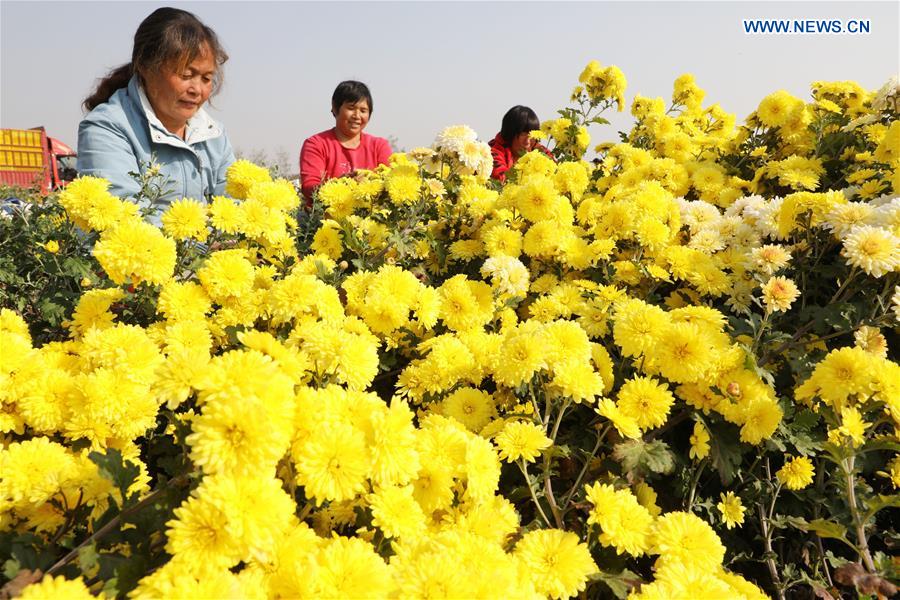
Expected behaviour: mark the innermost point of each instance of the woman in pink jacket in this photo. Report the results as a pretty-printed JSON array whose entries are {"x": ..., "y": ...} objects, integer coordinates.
[{"x": 344, "y": 148}]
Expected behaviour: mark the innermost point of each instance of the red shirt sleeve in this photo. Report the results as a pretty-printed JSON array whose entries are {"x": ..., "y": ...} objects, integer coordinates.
[
  {"x": 501, "y": 162},
  {"x": 546, "y": 151},
  {"x": 312, "y": 165},
  {"x": 383, "y": 154}
]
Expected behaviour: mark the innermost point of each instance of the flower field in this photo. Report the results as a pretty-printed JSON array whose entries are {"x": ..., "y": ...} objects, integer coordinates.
[{"x": 665, "y": 372}]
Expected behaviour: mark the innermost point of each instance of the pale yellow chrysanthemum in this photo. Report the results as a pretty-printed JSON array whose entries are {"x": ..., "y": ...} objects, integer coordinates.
[
  {"x": 871, "y": 340},
  {"x": 873, "y": 249},
  {"x": 770, "y": 258},
  {"x": 778, "y": 293}
]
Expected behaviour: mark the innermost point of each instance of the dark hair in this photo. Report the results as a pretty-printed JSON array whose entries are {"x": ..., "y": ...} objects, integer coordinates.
[
  {"x": 351, "y": 91},
  {"x": 169, "y": 36},
  {"x": 518, "y": 119}
]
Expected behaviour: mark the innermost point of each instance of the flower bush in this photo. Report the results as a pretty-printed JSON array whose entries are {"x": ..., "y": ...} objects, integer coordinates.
[{"x": 669, "y": 372}]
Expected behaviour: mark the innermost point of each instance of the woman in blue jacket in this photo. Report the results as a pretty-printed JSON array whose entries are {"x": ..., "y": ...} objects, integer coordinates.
[{"x": 152, "y": 108}]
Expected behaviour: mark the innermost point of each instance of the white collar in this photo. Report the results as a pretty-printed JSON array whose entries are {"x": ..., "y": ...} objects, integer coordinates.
[{"x": 199, "y": 128}]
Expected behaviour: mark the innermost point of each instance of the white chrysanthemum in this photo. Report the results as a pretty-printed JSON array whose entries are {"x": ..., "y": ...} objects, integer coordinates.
[
  {"x": 887, "y": 95},
  {"x": 453, "y": 137},
  {"x": 886, "y": 213},
  {"x": 698, "y": 214},
  {"x": 707, "y": 241},
  {"x": 476, "y": 156},
  {"x": 740, "y": 206},
  {"x": 895, "y": 302},
  {"x": 844, "y": 217},
  {"x": 765, "y": 217},
  {"x": 728, "y": 227},
  {"x": 508, "y": 275},
  {"x": 874, "y": 249}
]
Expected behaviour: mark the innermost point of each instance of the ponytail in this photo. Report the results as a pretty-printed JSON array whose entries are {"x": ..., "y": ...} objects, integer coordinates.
[{"x": 115, "y": 80}]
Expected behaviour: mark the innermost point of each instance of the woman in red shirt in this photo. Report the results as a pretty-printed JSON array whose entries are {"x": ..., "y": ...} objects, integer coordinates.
[
  {"x": 513, "y": 140},
  {"x": 344, "y": 148}
]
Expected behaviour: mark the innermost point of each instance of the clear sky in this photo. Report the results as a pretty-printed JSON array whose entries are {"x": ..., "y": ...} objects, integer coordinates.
[{"x": 432, "y": 64}]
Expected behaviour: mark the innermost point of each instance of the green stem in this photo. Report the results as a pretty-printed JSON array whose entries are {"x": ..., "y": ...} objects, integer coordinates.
[
  {"x": 559, "y": 418},
  {"x": 759, "y": 332},
  {"x": 862, "y": 542},
  {"x": 537, "y": 504},
  {"x": 587, "y": 464},
  {"x": 694, "y": 483},
  {"x": 548, "y": 485},
  {"x": 764, "y": 520},
  {"x": 114, "y": 522},
  {"x": 307, "y": 508},
  {"x": 841, "y": 289}
]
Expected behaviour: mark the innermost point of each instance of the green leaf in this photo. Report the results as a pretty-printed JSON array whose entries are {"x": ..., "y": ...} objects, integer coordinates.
[
  {"x": 113, "y": 467},
  {"x": 87, "y": 558},
  {"x": 621, "y": 583},
  {"x": 827, "y": 529},
  {"x": 785, "y": 521},
  {"x": 805, "y": 419},
  {"x": 880, "y": 502},
  {"x": 10, "y": 568},
  {"x": 823, "y": 527},
  {"x": 725, "y": 453},
  {"x": 835, "y": 561},
  {"x": 880, "y": 444},
  {"x": 641, "y": 456}
]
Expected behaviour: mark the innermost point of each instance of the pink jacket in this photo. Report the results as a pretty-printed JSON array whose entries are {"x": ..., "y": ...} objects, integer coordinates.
[{"x": 323, "y": 157}]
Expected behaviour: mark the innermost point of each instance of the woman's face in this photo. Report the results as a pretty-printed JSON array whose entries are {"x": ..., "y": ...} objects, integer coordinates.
[
  {"x": 352, "y": 117},
  {"x": 522, "y": 143},
  {"x": 176, "y": 96}
]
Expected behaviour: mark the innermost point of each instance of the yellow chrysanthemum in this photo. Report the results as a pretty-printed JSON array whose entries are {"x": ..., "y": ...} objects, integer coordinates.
[
  {"x": 797, "y": 473},
  {"x": 732, "y": 509},
  {"x": 521, "y": 440},
  {"x": 472, "y": 407},
  {"x": 645, "y": 400},
  {"x": 680, "y": 537},
  {"x": 51, "y": 587},
  {"x": 396, "y": 512},
  {"x": 241, "y": 176},
  {"x": 185, "y": 219},
  {"x": 557, "y": 562},
  {"x": 699, "y": 442},
  {"x": 624, "y": 522},
  {"x": 227, "y": 273},
  {"x": 136, "y": 251},
  {"x": 332, "y": 463}
]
